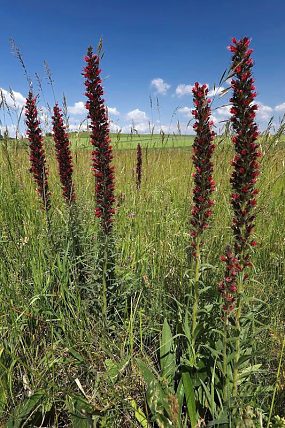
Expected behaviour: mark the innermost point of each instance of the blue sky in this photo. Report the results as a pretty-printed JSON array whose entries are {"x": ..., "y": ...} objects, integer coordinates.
[{"x": 152, "y": 48}]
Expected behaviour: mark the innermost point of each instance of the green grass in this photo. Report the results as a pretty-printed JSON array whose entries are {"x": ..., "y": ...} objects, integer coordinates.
[
  {"x": 52, "y": 340},
  {"x": 130, "y": 141}
]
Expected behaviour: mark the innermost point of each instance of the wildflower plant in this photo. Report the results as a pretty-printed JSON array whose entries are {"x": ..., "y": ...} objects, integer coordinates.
[
  {"x": 102, "y": 167},
  {"x": 243, "y": 198},
  {"x": 204, "y": 184},
  {"x": 65, "y": 167}
]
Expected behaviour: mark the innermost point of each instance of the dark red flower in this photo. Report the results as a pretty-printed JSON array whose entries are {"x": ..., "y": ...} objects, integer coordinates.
[
  {"x": 139, "y": 167},
  {"x": 63, "y": 154},
  {"x": 228, "y": 287},
  {"x": 245, "y": 162},
  {"x": 203, "y": 148},
  {"x": 37, "y": 151},
  {"x": 102, "y": 153}
]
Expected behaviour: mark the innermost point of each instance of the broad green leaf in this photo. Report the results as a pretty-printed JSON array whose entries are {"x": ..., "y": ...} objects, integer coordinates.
[
  {"x": 180, "y": 394},
  {"x": 24, "y": 410},
  {"x": 190, "y": 398},
  {"x": 167, "y": 354},
  {"x": 139, "y": 414},
  {"x": 115, "y": 368},
  {"x": 80, "y": 412},
  {"x": 146, "y": 372},
  {"x": 249, "y": 371}
]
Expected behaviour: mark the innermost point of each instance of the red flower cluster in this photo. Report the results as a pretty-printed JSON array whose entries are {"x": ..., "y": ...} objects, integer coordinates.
[
  {"x": 139, "y": 166},
  {"x": 228, "y": 287},
  {"x": 203, "y": 148},
  {"x": 245, "y": 162},
  {"x": 63, "y": 154},
  {"x": 37, "y": 151},
  {"x": 102, "y": 154}
]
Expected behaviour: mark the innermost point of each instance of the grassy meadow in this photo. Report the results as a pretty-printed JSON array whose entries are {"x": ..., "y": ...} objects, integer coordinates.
[{"x": 61, "y": 365}]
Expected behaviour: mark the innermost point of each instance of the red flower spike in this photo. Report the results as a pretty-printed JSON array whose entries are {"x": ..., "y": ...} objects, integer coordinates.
[
  {"x": 245, "y": 162},
  {"x": 102, "y": 153},
  {"x": 203, "y": 148},
  {"x": 63, "y": 154},
  {"x": 228, "y": 287},
  {"x": 37, "y": 151}
]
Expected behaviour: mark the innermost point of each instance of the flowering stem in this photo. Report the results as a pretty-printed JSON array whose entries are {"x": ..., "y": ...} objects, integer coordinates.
[
  {"x": 204, "y": 185},
  {"x": 196, "y": 289},
  {"x": 102, "y": 157},
  {"x": 276, "y": 384},
  {"x": 238, "y": 313},
  {"x": 225, "y": 359},
  {"x": 243, "y": 180}
]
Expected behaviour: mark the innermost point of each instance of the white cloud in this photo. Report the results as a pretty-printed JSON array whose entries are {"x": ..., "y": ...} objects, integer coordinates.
[
  {"x": 141, "y": 128},
  {"x": 160, "y": 85},
  {"x": 114, "y": 127},
  {"x": 77, "y": 126},
  {"x": 113, "y": 111},
  {"x": 11, "y": 129},
  {"x": 13, "y": 98},
  {"x": 183, "y": 89},
  {"x": 224, "y": 111},
  {"x": 280, "y": 107},
  {"x": 77, "y": 109},
  {"x": 187, "y": 111},
  {"x": 216, "y": 91},
  {"x": 137, "y": 115},
  {"x": 264, "y": 112}
]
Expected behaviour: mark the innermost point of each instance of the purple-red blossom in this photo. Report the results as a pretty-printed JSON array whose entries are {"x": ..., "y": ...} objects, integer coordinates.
[
  {"x": 203, "y": 149},
  {"x": 63, "y": 154},
  {"x": 37, "y": 151},
  {"x": 102, "y": 153},
  {"x": 245, "y": 162},
  {"x": 228, "y": 287},
  {"x": 245, "y": 172},
  {"x": 139, "y": 167}
]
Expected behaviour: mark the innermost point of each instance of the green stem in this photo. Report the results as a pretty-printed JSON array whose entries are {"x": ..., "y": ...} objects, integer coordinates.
[
  {"x": 225, "y": 358},
  {"x": 196, "y": 289},
  {"x": 276, "y": 384},
  {"x": 237, "y": 341},
  {"x": 104, "y": 290}
]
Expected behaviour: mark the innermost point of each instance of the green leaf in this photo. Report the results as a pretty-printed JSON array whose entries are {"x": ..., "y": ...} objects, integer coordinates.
[
  {"x": 115, "y": 368},
  {"x": 139, "y": 414},
  {"x": 24, "y": 410},
  {"x": 146, "y": 373},
  {"x": 190, "y": 398},
  {"x": 180, "y": 393},
  {"x": 80, "y": 412},
  {"x": 249, "y": 371},
  {"x": 167, "y": 354}
]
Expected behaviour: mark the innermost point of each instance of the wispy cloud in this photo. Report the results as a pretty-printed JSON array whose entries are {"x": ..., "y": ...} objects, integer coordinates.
[
  {"x": 77, "y": 109},
  {"x": 216, "y": 91},
  {"x": 264, "y": 112},
  {"x": 137, "y": 115},
  {"x": 280, "y": 107},
  {"x": 13, "y": 99},
  {"x": 160, "y": 86},
  {"x": 113, "y": 111},
  {"x": 186, "y": 111},
  {"x": 183, "y": 89}
]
